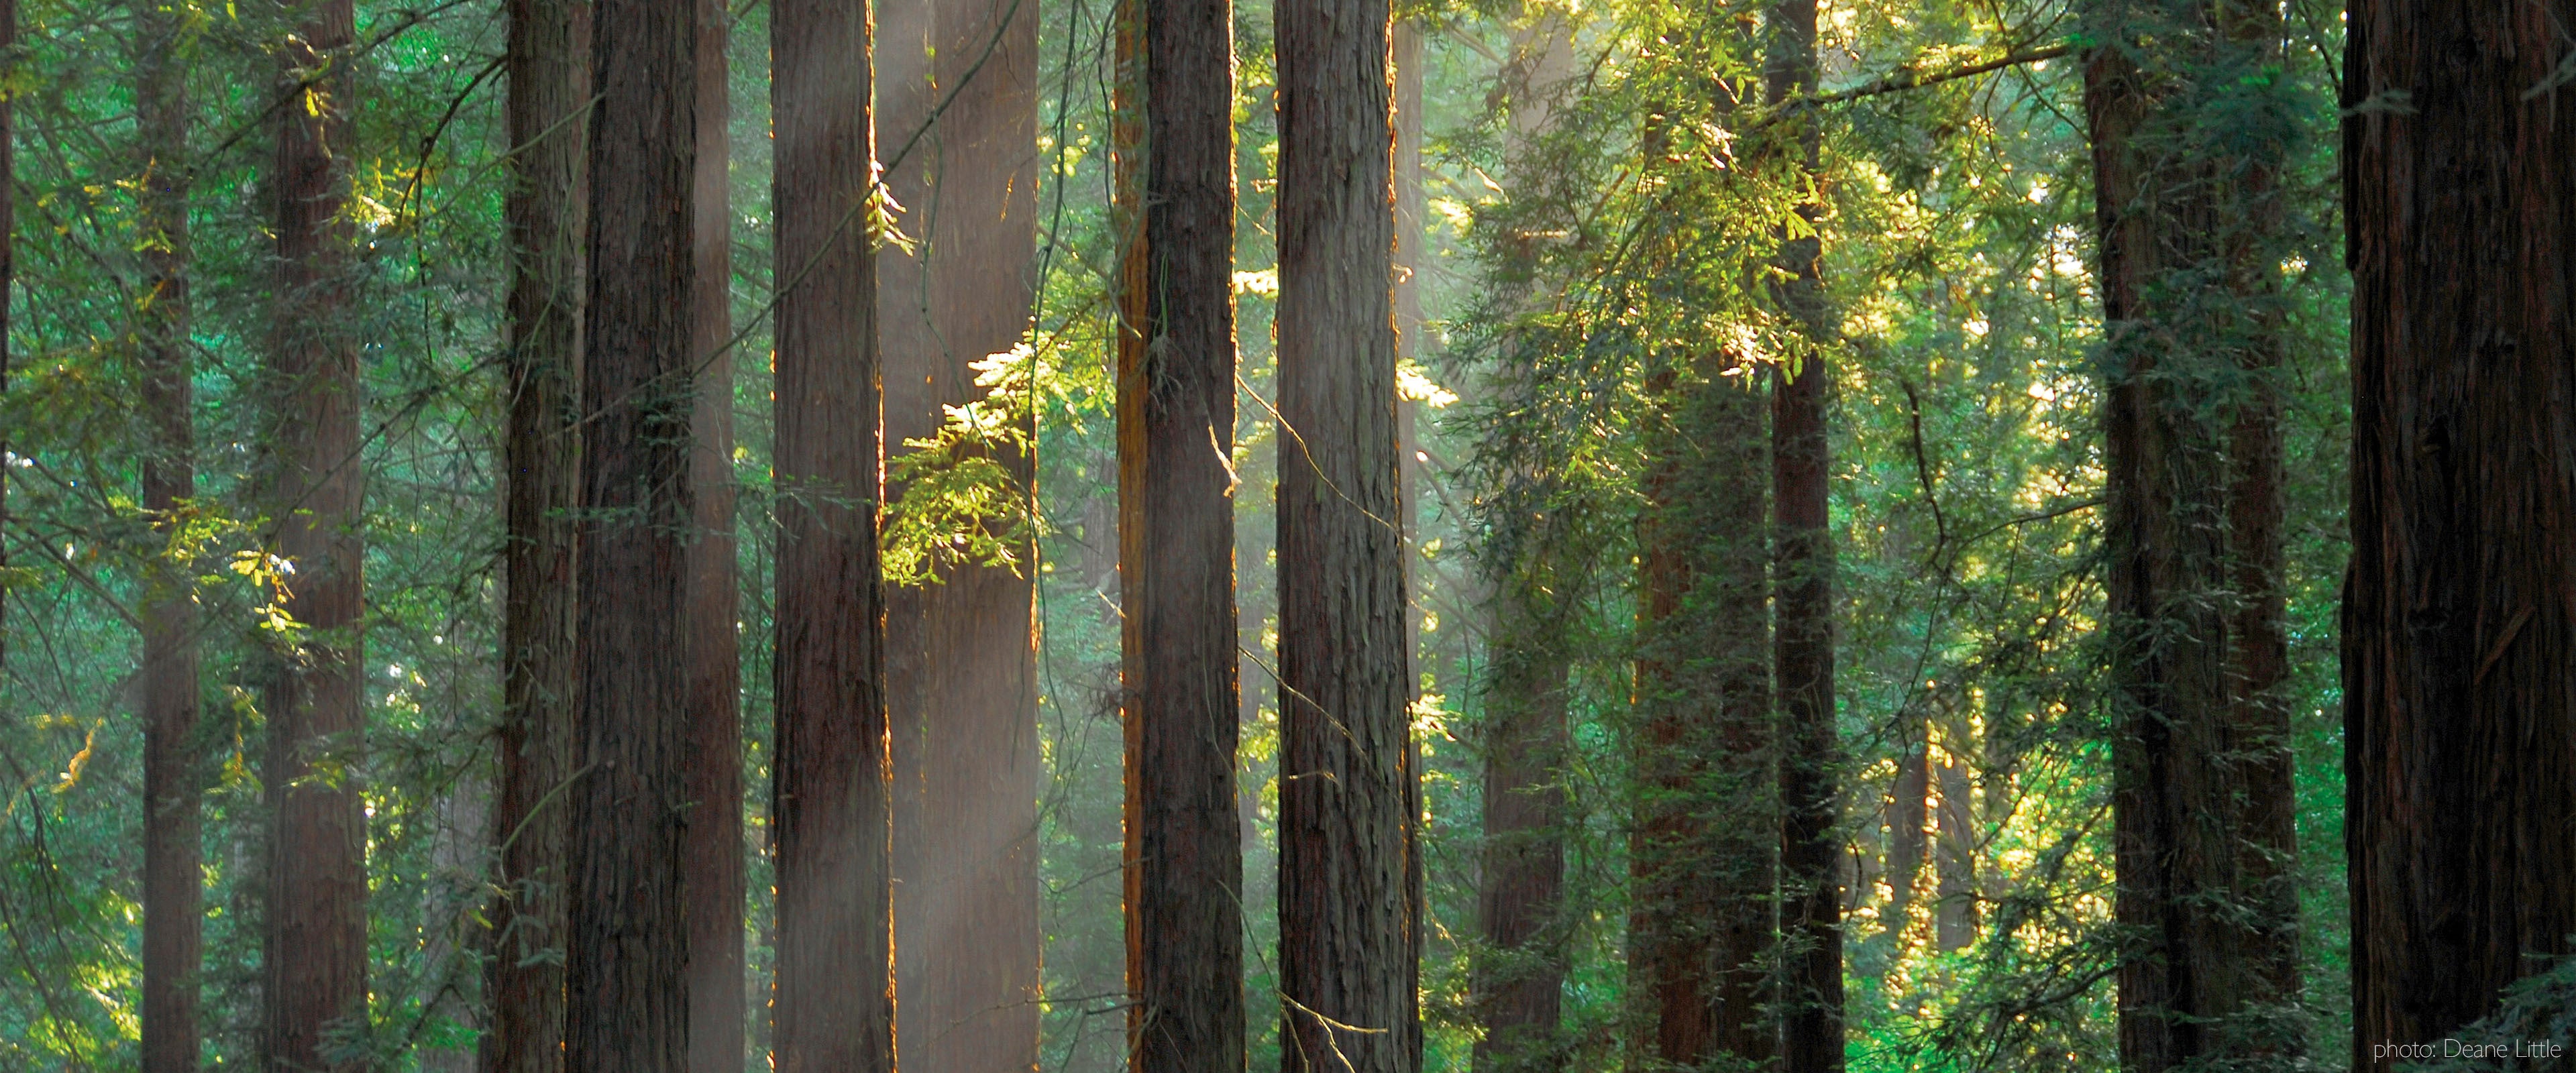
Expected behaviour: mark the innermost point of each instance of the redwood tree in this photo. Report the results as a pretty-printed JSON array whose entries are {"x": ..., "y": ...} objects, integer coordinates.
[
  {"x": 549, "y": 73},
  {"x": 961, "y": 659},
  {"x": 2460, "y": 716},
  {"x": 1177, "y": 685},
  {"x": 834, "y": 1007},
  {"x": 627, "y": 938},
  {"x": 173, "y": 876},
  {"x": 315, "y": 952},
  {"x": 1348, "y": 813}
]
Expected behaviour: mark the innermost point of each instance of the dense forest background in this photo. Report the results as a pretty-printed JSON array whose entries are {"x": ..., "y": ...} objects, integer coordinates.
[{"x": 1583, "y": 191}]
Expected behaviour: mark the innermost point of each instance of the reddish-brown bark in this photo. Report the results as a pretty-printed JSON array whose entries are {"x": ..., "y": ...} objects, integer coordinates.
[
  {"x": 2460, "y": 763},
  {"x": 1177, "y": 684},
  {"x": 627, "y": 935},
  {"x": 315, "y": 951},
  {"x": 835, "y": 998}
]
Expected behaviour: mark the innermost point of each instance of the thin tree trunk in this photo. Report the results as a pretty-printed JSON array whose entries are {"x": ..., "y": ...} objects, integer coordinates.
[
  {"x": 627, "y": 950},
  {"x": 1348, "y": 813},
  {"x": 835, "y": 1008},
  {"x": 173, "y": 856},
  {"x": 962, "y": 657},
  {"x": 1802, "y": 652},
  {"x": 2203, "y": 792},
  {"x": 2460, "y": 160},
  {"x": 315, "y": 951},
  {"x": 1177, "y": 684},
  {"x": 549, "y": 72},
  {"x": 713, "y": 845}
]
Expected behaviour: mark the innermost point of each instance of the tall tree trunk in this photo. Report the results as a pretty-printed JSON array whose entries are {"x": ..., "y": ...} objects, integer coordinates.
[
  {"x": 1404, "y": 71},
  {"x": 315, "y": 950},
  {"x": 1703, "y": 917},
  {"x": 713, "y": 845},
  {"x": 1954, "y": 866},
  {"x": 549, "y": 72},
  {"x": 173, "y": 856},
  {"x": 835, "y": 1008},
  {"x": 627, "y": 949},
  {"x": 1177, "y": 684},
  {"x": 2190, "y": 236},
  {"x": 1802, "y": 646},
  {"x": 1348, "y": 810},
  {"x": 962, "y": 656},
  {"x": 1906, "y": 847},
  {"x": 2460, "y": 160}
]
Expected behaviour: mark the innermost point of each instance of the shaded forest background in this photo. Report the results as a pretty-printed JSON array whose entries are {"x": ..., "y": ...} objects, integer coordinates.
[{"x": 1955, "y": 201}]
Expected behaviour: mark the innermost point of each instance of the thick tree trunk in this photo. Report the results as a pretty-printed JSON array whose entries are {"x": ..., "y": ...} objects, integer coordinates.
[
  {"x": 173, "y": 858},
  {"x": 2190, "y": 241},
  {"x": 315, "y": 952},
  {"x": 962, "y": 655},
  {"x": 627, "y": 949},
  {"x": 1348, "y": 818},
  {"x": 2460, "y": 160},
  {"x": 713, "y": 845},
  {"x": 835, "y": 1008},
  {"x": 1177, "y": 684},
  {"x": 1802, "y": 645},
  {"x": 549, "y": 71},
  {"x": 1703, "y": 917}
]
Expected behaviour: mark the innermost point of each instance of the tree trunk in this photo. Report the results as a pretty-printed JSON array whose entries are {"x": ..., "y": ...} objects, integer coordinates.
[
  {"x": 2460, "y": 159},
  {"x": 1802, "y": 646},
  {"x": 2190, "y": 237},
  {"x": 835, "y": 1007},
  {"x": 962, "y": 655},
  {"x": 1176, "y": 377},
  {"x": 1906, "y": 848},
  {"x": 713, "y": 844},
  {"x": 1404, "y": 70},
  {"x": 1954, "y": 865},
  {"x": 1348, "y": 818},
  {"x": 315, "y": 952},
  {"x": 173, "y": 857},
  {"x": 549, "y": 71},
  {"x": 627, "y": 950}
]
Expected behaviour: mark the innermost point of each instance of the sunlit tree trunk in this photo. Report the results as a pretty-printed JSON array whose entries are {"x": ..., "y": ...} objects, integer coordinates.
[
  {"x": 549, "y": 73},
  {"x": 713, "y": 846},
  {"x": 834, "y": 1006},
  {"x": 173, "y": 869},
  {"x": 1177, "y": 684},
  {"x": 627, "y": 939},
  {"x": 2190, "y": 235},
  {"x": 2460, "y": 715},
  {"x": 961, "y": 666},
  {"x": 315, "y": 952}
]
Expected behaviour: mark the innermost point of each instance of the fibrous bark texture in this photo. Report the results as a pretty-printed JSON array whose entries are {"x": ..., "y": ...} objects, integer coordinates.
[
  {"x": 2460, "y": 713},
  {"x": 549, "y": 72},
  {"x": 961, "y": 658},
  {"x": 2190, "y": 243},
  {"x": 835, "y": 998},
  {"x": 315, "y": 953},
  {"x": 627, "y": 939},
  {"x": 713, "y": 845},
  {"x": 1177, "y": 684},
  {"x": 173, "y": 858},
  {"x": 1348, "y": 811}
]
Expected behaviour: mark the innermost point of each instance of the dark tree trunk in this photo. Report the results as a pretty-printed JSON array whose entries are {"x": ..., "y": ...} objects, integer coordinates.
[
  {"x": 1802, "y": 645},
  {"x": 549, "y": 71},
  {"x": 627, "y": 949},
  {"x": 2459, "y": 754},
  {"x": 713, "y": 844},
  {"x": 1177, "y": 683},
  {"x": 173, "y": 858},
  {"x": 1906, "y": 847},
  {"x": 315, "y": 952},
  {"x": 1954, "y": 864},
  {"x": 1703, "y": 917},
  {"x": 1348, "y": 812},
  {"x": 2190, "y": 235},
  {"x": 1404, "y": 69},
  {"x": 962, "y": 655},
  {"x": 834, "y": 1006}
]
